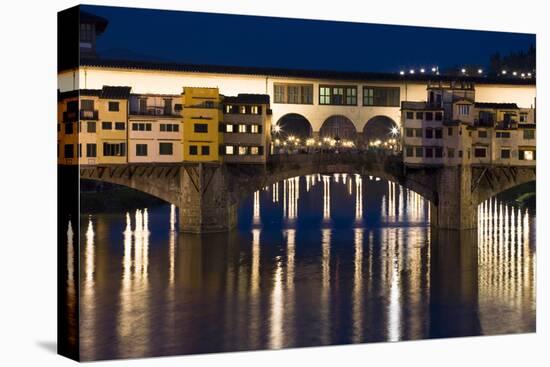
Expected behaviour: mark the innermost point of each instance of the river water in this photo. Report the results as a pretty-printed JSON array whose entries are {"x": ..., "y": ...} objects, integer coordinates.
[{"x": 315, "y": 260}]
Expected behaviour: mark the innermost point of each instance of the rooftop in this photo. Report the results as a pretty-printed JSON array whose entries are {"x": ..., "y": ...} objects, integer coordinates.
[
  {"x": 295, "y": 73},
  {"x": 507, "y": 106},
  {"x": 248, "y": 99}
]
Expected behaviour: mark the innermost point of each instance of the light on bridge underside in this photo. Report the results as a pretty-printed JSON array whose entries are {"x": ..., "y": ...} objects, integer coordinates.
[
  {"x": 515, "y": 73},
  {"x": 276, "y": 129}
]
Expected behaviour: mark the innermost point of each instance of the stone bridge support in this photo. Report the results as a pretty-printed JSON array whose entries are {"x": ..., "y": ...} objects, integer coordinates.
[
  {"x": 205, "y": 203},
  {"x": 454, "y": 205}
]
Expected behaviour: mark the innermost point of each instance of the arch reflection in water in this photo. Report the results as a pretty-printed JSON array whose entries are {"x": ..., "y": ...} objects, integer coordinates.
[
  {"x": 385, "y": 277},
  {"x": 506, "y": 265}
]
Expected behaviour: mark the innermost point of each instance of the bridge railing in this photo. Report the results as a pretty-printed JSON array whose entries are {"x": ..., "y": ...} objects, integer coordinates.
[{"x": 335, "y": 158}]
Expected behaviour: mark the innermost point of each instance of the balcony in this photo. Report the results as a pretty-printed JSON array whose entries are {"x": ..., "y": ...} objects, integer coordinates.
[
  {"x": 155, "y": 111},
  {"x": 507, "y": 124},
  {"x": 88, "y": 114}
]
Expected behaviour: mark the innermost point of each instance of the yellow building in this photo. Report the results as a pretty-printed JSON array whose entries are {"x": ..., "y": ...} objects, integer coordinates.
[{"x": 201, "y": 119}]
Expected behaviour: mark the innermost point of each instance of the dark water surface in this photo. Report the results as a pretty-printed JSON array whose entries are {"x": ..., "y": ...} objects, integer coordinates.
[{"x": 316, "y": 260}]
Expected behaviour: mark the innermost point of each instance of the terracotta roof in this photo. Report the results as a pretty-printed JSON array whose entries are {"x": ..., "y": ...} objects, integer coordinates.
[
  {"x": 109, "y": 92},
  {"x": 507, "y": 106}
]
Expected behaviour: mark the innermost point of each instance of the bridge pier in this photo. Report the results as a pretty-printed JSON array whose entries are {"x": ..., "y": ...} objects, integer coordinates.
[
  {"x": 455, "y": 206},
  {"x": 205, "y": 204}
]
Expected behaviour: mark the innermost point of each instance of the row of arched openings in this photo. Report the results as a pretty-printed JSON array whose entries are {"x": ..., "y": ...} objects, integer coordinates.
[{"x": 336, "y": 127}]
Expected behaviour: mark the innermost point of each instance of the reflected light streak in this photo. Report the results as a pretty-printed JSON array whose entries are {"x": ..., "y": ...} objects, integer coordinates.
[
  {"x": 358, "y": 197},
  {"x": 326, "y": 197},
  {"x": 256, "y": 212},
  {"x": 358, "y": 287},
  {"x": 277, "y": 303}
]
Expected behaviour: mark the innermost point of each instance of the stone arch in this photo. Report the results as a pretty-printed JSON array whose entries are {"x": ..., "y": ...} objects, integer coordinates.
[
  {"x": 338, "y": 127},
  {"x": 379, "y": 128},
  {"x": 292, "y": 124}
]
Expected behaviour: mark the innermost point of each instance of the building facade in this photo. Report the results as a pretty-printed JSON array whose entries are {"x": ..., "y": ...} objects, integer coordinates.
[
  {"x": 453, "y": 128},
  {"x": 246, "y": 128}
]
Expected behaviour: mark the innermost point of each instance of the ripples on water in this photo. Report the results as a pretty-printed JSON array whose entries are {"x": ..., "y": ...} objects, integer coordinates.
[{"x": 316, "y": 260}]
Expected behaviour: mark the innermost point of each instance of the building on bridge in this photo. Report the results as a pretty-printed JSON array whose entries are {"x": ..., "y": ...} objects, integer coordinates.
[
  {"x": 451, "y": 128},
  {"x": 246, "y": 128},
  {"x": 92, "y": 126},
  {"x": 155, "y": 131}
]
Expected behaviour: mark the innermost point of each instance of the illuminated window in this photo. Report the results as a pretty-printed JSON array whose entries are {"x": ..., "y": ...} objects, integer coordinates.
[
  {"x": 254, "y": 129},
  {"x": 228, "y": 128},
  {"x": 229, "y": 150},
  {"x": 338, "y": 95},
  {"x": 243, "y": 150},
  {"x": 242, "y": 128},
  {"x": 254, "y": 110},
  {"x": 527, "y": 154},
  {"x": 242, "y": 109},
  {"x": 254, "y": 151}
]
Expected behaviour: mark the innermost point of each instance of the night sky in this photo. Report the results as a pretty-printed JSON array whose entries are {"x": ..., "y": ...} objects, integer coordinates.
[{"x": 202, "y": 38}]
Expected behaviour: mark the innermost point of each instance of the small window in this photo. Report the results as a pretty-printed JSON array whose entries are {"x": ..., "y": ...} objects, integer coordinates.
[
  {"x": 410, "y": 115},
  {"x": 419, "y": 115},
  {"x": 69, "y": 151},
  {"x": 429, "y": 152},
  {"x": 68, "y": 128},
  {"x": 254, "y": 129},
  {"x": 254, "y": 110},
  {"x": 141, "y": 150},
  {"x": 141, "y": 126},
  {"x": 505, "y": 153},
  {"x": 242, "y": 109},
  {"x": 409, "y": 151},
  {"x": 450, "y": 152},
  {"x": 449, "y": 131},
  {"x": 429, "y": 133},
  {"x": 122, "y": 126},
  {"x": 527, "y": 155},
  {"x": 200, "y": 128},
  {"x": 205, "y": 150},
  {"x": 165, "y": 149},
  {"x": 503, "y": 134},
  {"x": 429, "y": 116},
  {"x": 177, "y": 107},
  {"x": 528, "y": 134},
  {"x": 460, "y": 154},
  {"x": 243, "y": 150},
  {"x": 242, "y": 128},
  {"x": 480, "y": 152},
  {"x": 254, "y": 150},
  {"x": 91, "y": 150},
  {"x": 464, "y": 109},
  {"x": 438, "y": 152},
  {"x": 193, "y": 150},
  {"x": 229, "y": 128},
  {"x": 438, "y": 133},
  {"x": 409, "y": 132},
  {"x": 418, "y": 132},
  {"x": 419, "y": 152},
  {"x": 482, "y": 134},
  {"x": 107, "y": 125},
  {"x": 229, "y": 150},
  {"x": 113, "y": 106},
  {"x": 438, "y": 116},
  {"x": 91, "y": 127}
]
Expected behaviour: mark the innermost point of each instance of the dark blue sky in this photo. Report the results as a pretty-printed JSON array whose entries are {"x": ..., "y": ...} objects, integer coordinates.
[{"x": 203, "y": 38}]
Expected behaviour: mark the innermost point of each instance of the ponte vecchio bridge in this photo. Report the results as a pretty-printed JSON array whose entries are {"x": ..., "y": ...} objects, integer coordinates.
[{"x": 208, "y": 194}]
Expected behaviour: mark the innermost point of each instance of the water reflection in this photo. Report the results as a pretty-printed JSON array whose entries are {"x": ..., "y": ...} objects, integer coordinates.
[{"x": 350, "y": 266}]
